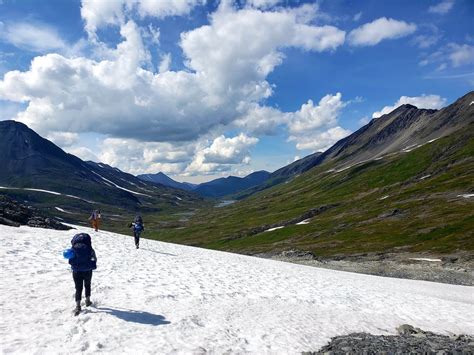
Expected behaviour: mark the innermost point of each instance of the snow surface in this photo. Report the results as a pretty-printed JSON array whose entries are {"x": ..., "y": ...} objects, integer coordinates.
[
  {"x": 426, "y": 259},
  {"x": 466, "y": 195},
  {"x": 45, "y": 191},
  {"x": 273, "y": 229},
  {"x": 306, "y": 221},
  {"x": 119, "y": 187},
  {"x": 166, "y": 298},
  {"x": 62, "y": 210}
]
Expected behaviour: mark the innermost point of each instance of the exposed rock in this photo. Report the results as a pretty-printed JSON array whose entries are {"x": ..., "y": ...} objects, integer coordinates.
[
  {"x": 409, "y": 341},
  {"x": 392, "y": 213},
  {"x": 13, "y": 213}
]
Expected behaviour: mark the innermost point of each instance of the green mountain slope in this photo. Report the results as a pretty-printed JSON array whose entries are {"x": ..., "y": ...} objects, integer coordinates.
[{"x": 411, "y": 200}]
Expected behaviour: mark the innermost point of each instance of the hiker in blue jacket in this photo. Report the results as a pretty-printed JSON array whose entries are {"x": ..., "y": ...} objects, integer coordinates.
[
  {"x": 137, "y": 227},
  {"x": 82, "y": 263}
]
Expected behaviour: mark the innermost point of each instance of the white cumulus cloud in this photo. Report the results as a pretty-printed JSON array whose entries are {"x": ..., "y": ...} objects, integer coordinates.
[
  {"x": 423, "y": 101},
  {"x": 99, "y": 13},
  {"x": 381, "y": 29},
  {"x": 315, "y": 127},
  {"x": 222, "y": 154}
]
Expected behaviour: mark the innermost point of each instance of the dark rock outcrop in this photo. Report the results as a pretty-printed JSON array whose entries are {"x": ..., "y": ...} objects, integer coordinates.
[
  {"x": 409, "y": 341},
  {"x": 13, "y": 213}
]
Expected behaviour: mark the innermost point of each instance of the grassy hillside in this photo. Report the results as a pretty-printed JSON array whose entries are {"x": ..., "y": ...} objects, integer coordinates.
[{"x": 406, "y": 201}]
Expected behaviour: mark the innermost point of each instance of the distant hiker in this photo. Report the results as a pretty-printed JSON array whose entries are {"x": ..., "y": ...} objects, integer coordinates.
[
  {"x": 137, "y": 227},
  {"x": 95, "y": 219},
  {"x": 83, "y": 261}
]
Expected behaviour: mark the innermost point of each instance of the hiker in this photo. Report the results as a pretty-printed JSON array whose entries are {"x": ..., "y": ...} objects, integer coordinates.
[
  {"x": 95, "y": 219},
  {"x": 82, "y": 260},
  {"x": 138, "y": 227}
]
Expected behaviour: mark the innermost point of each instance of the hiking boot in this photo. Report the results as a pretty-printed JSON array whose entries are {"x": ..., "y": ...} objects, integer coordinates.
[
  {"x": 88, "y": 302},
  {"x": 77, "y": 310}
]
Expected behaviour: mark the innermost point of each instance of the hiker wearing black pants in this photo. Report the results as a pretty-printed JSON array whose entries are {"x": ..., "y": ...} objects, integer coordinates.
[
  {"x": 138, "y": 227},
  {"x": 83, "y": 261}
]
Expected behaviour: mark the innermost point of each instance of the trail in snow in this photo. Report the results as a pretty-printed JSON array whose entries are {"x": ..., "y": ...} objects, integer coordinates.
[{"x": 166, "y": 298}]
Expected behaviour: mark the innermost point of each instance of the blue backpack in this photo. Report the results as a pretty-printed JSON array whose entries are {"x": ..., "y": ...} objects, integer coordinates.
[
  {"x": 138, "y": 227},
  {"x": 84, "y": 256},
  {"x": 138, "y": 224}
]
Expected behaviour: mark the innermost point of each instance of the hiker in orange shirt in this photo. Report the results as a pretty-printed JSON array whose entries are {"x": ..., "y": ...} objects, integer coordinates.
[{"x": 95, "y": 219}]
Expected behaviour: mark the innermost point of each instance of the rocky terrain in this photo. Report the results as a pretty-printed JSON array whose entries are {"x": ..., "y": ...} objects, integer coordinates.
[
  {"x": 409, "y": 341},
  {"x": 455, "y": 269},
  {"x": 13, "y": 213}
]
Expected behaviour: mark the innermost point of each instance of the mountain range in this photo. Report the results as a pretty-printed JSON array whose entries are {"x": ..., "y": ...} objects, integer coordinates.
[{"x": 215, "y": 188}]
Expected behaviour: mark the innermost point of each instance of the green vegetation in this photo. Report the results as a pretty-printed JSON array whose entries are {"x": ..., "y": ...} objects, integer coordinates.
[{"x": 422, "y": 212}]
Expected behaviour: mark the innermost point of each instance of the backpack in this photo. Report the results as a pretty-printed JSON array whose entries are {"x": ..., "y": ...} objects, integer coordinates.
[
  {"x": 138, "y": 227},
  {"x": 84, "y": 255}
]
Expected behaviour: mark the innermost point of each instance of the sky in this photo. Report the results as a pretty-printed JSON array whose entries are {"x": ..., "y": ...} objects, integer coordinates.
[{"x": 202, "y": 89}]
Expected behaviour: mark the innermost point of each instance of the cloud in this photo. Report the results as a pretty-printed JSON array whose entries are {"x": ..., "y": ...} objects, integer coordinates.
[
  {"x": 35, "y": 37},
  {"x": 83, "y": 153},
  {"x": 311, "y": 117},
  {"x": 222, "y": 154},
  {"x": 357, "y": 16},
  {"x": 63, "y": 139},
  {"x": 453, "y": 55},
  {"x": 139, "y": 157},
  {"x": 262, "y": 120},
  {"x": 165, "y": 63},
  {"x": 116, "y": 96},
  {"x": 383, "y": 28},
  {"x": 99, "y": 13},
  {"x": 263, "y": 4},
  {"x": 364, "y": 120},
  {"x": 461, "y": 54},
  {"x": 315, "y": 127},
  {"x": 442, "y": 8},
  {"x": 321, "y": 141},
  {"x": 423, "y": 101}
]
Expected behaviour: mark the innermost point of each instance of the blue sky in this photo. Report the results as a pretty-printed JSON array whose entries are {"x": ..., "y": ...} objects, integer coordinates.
[{"x": 202, "y": 89}]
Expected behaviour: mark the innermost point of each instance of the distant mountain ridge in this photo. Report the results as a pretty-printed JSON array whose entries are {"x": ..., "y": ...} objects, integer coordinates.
[
  {"x": 231, "y": 185},
  {"x": 215, "y": 188},
  {"x": 161, "y": 178}
]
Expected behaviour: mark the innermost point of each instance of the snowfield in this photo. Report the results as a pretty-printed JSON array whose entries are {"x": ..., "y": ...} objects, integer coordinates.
[{"x": 167, "y": 298}]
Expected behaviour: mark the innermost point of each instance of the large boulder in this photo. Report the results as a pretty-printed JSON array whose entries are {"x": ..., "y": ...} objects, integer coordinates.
[{"x": 13, "y": 213}]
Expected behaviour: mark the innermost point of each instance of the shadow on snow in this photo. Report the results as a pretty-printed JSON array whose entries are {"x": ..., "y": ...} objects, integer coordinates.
[
  {"x": 158, "y": 252},
  {"x": 129, "y": 315}
]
